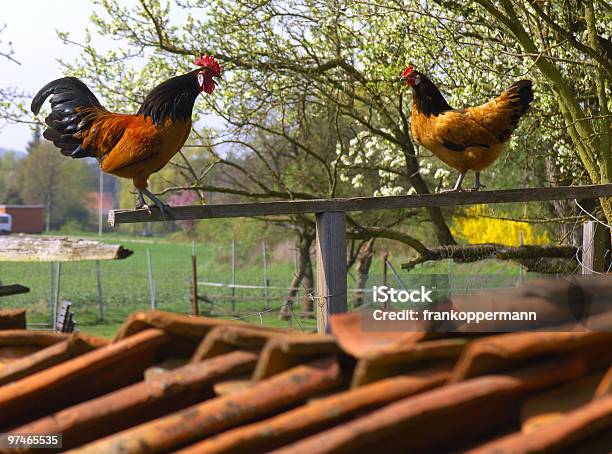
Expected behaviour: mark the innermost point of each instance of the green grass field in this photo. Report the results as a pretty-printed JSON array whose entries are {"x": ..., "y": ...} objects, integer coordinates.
[{"x": 126, "y": 284}]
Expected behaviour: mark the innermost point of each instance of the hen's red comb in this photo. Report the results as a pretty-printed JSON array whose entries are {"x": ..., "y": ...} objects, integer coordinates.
[
  {"x": 208, "y": 61},
  {"x": 407, "y": 71}
]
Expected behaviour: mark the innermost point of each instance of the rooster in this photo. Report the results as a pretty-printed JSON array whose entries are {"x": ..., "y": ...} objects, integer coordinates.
[
  {"x": 128, "y": 146},
  {"x": 465, "y": 139}
]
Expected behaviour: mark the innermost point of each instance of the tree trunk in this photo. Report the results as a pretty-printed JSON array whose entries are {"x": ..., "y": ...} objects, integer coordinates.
[
  {"x": 48, "y": 216},
  {"x": 303, "y": 276},
  {"x": 443, "y": 233},
  {"x": 562, "y": 208},
  {"x": 20, "y": 248},
  {"x": 540, "y": 259},
  {"x": 364, "y": 261}
]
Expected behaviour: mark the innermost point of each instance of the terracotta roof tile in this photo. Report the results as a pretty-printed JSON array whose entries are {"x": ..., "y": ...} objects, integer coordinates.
[
  {"x": 441, "y": 419},
  {"x": 140, "y": 402},
  {"x": 169, "y": 382},
  {"x": 15, "y": 344},
  {"x": 496, "y": 353},
  {"x": 44, "y": 358},
  {"x": 12, "y": 319},
  {"x": 605, "y": 387},
  {"x": 283, "y": 352},
  {"x": 196, "y": 422},
  {"x": 318, "y": 414},
  {"x": 77, "y": 379},
  {"x": 586, "y": 429}
]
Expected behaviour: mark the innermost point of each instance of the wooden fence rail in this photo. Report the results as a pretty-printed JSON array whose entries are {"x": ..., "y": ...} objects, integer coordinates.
[
  {"x": 233, "y": 210},
  {"x": 331, "y": 294}
]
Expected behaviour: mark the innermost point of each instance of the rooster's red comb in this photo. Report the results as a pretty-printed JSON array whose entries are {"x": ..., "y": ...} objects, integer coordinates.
[
  {"x": 407, "y": 71},
  {"x": 208, "y": 61}
]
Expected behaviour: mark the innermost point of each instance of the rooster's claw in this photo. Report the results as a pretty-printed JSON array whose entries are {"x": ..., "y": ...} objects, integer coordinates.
[{"x": 163, "y": 208}]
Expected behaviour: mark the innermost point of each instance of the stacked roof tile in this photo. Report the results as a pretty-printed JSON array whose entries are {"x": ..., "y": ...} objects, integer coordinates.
[{"x": 170, "y": 382}]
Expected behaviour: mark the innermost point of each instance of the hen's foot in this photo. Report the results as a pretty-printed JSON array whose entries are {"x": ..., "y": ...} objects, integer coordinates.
[
  {"x": 477, "y": 183},
  {"x": 457, "y": 187}
]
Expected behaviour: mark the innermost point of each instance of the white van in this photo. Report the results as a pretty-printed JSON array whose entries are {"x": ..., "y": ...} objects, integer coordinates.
[{"x": 6, "y": 223}]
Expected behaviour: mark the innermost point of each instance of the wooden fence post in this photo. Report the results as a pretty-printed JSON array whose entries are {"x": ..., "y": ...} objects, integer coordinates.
[
  {"x": 594, "y": 243},
  {"x": 385, "y": 257},
  {"x": 331, "y": 267},
  {"x": 385, "y": 260}
]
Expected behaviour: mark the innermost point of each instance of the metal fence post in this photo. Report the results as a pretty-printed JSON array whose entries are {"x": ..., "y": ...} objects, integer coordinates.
[
  {"x": 52, "y": 294},
  {"x": 194, "y": 281},
  {"x": 265, "y": 275},
  {"x": 100, "y": 203},
  {"x": 57, "y": 292},
  {"x": 331, "y": 267},
  {"x": 100, "y": 294},
  {"x": 151, "y": 280},
  {"x": 233, "y": 275},
  {"x": 520, "y": 266}
]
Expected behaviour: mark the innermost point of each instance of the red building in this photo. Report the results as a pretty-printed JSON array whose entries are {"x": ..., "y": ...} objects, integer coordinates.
[
  {"x": 26, "y": 218},
  {"x": 92, "y": 202}
]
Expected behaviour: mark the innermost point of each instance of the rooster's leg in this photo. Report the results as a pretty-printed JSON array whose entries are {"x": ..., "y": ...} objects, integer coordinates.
[
  {"x": 163, "y": 208},
  {"x": 477, "y": 183},
  {"x": 141, "y": 201}
]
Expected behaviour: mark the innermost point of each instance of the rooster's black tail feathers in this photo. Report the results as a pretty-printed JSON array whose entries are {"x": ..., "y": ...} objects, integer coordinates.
[{"x": 69, "y": 99}]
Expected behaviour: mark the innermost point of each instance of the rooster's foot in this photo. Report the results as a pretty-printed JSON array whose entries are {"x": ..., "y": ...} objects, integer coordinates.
[{"x": 163, "y": 208}]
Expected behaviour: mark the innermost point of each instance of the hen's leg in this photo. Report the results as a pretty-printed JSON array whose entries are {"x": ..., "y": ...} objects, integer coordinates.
[
  {"x": 477, "y": 183},
  {"x": 459, "y": 181}
]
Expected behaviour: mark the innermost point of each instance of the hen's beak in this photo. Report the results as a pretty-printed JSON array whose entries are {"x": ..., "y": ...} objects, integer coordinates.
[
  {"x": 403, "y": 79},
  {"x": 216, "y": 77}
]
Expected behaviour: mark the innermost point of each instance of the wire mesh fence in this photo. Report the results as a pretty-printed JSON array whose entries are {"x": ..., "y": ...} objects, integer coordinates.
[{"x": 235, "y": 281}]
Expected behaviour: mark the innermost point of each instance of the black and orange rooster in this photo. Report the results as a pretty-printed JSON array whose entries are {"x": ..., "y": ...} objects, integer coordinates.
[
  {"x": 465, "y": 139},
  {"x": 128, "y": 146}
]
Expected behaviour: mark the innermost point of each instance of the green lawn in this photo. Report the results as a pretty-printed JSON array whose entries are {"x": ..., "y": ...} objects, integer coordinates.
[{"x": 126, "y": 283}]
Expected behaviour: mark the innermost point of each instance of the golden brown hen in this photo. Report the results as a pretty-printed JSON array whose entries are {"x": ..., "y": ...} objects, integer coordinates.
[{"x": 465, "y": 139}]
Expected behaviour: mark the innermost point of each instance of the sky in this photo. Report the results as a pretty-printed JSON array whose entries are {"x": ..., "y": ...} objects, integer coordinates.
[{"x": 31, "y": 26}]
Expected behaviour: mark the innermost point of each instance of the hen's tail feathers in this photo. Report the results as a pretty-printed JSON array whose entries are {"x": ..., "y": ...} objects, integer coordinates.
[
  {"x": 520, "y": 94},
  {"x": 515, "y": 101},
  {"x": 73, "y": 109}
]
